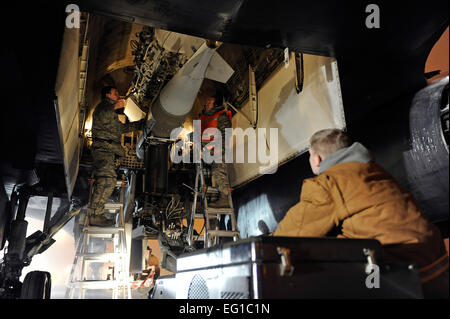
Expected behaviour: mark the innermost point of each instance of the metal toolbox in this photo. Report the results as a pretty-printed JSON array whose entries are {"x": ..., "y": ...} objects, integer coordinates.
[{"x": 286, "y": 267}]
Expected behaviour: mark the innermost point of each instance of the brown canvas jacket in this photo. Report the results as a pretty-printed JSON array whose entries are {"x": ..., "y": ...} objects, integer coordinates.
[{"x": 366, "y": 202}]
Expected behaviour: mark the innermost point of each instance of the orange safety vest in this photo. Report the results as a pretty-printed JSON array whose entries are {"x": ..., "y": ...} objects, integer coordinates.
[{"x": 210, "y": 121}]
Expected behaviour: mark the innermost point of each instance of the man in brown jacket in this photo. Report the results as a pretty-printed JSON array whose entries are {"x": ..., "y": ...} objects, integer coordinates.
[{"x": 355, "y": 194}]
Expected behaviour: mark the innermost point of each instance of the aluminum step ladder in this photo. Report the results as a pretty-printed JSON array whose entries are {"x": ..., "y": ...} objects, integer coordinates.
[
  {"x": 102, "y": 248},
  {"x": 211, "y": 235}
]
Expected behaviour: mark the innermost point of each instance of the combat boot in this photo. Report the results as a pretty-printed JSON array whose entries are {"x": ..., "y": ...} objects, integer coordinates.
[{"x": 101, "y": 221}]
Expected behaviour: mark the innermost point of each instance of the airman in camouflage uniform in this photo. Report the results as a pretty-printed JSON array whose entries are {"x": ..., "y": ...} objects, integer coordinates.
[
  {"x": 219, "y": 171},
  {"x": 107, "y": 131}
]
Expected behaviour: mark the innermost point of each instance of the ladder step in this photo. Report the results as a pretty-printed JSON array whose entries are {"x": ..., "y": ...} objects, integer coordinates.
[
  {"x": 210, "y": 215},
  {"x": 107, "y": 257},
  {"x": 103, "y": 230},
  {"x": 198, "y": 238},
  {"x": 212, "y": 190},
  {"x": 223, "y": 233},
  {"x": 113, "y": 206},
  {"x": 102, "y": 236},
  {"x": 220, "y": 211}
]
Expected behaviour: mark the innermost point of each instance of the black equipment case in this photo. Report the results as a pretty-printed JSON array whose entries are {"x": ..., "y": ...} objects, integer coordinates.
[{"x": 286, "y": 267}]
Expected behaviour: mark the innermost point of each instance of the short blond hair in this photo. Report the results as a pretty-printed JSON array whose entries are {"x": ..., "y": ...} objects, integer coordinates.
[{"x": 328, "y": 141}]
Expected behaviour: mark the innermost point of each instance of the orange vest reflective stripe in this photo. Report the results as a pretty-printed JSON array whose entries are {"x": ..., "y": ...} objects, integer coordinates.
[{"x": 210, "y": 121}]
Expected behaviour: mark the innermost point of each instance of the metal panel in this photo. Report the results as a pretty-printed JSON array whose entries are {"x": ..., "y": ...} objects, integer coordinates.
[
  {"x": 296, "y": 116},
  {"x": 319, "y": 27},
  {"x": 67, "y": 107}
]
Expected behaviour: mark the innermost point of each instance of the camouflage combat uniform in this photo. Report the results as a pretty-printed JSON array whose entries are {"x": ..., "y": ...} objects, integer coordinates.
[
  {"x": 219, "y": 171},
  {"x": 107, "y": 131}
]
